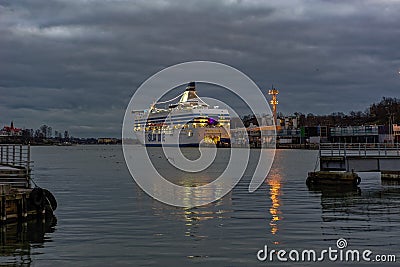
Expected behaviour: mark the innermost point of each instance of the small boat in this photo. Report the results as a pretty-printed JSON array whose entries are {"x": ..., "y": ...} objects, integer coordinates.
[{"x": 64, "y": 144}]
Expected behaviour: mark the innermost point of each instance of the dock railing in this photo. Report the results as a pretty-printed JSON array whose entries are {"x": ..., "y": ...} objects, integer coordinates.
[
  {"x": 15, "y": 155},
  {"x": 359, "y": 149}
]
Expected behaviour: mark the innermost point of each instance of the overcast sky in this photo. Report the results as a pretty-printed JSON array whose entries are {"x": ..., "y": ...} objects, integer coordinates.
[{"x": 74, "y": 64}]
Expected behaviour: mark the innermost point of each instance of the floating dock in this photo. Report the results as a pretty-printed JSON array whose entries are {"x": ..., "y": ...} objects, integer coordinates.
[
  {"x": 384, "y": 158},
  {"x": 333, "y": 178},
  {"x": 339, "y": 162}
]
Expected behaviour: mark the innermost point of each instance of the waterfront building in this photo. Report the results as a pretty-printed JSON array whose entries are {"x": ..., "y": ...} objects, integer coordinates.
[
  {"x": 396, "y": 133},
  {"x": 8, "y": 131},
  {"x": 355, "y": 134}
]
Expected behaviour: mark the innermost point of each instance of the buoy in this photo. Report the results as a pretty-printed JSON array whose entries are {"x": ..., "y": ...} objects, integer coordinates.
[
  {"x": 50, "y": 199},
  {"x": 43, "y": 199},
  {"x": 37, "y": 198}
]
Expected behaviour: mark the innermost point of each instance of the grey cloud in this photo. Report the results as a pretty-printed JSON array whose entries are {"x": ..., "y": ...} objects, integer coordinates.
[{"x": 75, "y": 64}]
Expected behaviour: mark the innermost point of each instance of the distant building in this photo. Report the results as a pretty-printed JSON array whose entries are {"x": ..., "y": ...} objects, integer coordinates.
[
  {"x": 355, "y": 134},
  {"x": 8, "y": 131},
  {"x": 396, "y": 133},
  {"x": 288, "y": 122},
  {"x": 291, "y": 131}
]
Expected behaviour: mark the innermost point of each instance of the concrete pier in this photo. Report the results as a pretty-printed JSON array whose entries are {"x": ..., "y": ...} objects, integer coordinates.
[{"x": 384, "y": 158}]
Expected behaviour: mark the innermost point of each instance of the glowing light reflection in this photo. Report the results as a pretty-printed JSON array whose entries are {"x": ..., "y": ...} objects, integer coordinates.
[{"x": 274, "y": 182}]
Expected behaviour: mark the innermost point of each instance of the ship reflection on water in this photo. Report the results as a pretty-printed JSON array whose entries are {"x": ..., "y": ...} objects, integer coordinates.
[
  {"x": 18, "y": 239},
  {"x": 194, "y": 218}
]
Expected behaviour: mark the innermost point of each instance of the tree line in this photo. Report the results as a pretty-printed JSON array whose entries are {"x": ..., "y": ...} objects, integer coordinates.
[
  {"x": 43, "y": 135},
  {"x": 385, "y": 112}
]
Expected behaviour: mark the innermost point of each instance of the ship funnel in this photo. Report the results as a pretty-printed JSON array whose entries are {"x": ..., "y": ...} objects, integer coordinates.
[
  {"x": 190, "y": 92},
  {"x": 191, "y": 86}
]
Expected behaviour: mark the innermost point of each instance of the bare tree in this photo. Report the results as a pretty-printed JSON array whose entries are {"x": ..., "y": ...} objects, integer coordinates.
[{"x": 43, "y": 129}]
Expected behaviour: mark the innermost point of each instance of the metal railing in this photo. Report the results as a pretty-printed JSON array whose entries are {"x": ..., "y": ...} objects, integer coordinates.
[
  {"x": 359, "y": 149},
  {"x": 18, "y": 156}
]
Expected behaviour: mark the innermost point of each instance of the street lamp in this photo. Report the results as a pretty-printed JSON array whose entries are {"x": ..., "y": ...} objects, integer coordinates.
[{"x": 274, "y": 102}]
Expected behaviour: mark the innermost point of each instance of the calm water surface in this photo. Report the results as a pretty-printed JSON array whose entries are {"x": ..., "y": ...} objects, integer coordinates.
[{"x": 104, "y": 219}]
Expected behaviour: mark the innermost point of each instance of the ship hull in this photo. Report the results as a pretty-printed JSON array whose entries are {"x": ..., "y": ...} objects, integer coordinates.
[{"x": 191, "y": 137}]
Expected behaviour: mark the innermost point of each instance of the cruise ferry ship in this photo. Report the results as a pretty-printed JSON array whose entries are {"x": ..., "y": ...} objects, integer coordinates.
[{"x": 188, "y": 122}]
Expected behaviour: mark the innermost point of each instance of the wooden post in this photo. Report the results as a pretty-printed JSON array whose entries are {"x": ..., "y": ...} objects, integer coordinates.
[
  {"x": 20, "y": 155},
  {"x": 28, "y": 158},
  {"x": 320, "y": 150},
  {"x": 22, "y": 212},
  {"x": 365, "y": 149},
  {"x": 3, "y": 209},
  {"x": 19, "y": 209},
  {"x": 3, "y": 232},
  {"x": 385, "y": 150},
  {"x": 24, "y": 207},
  {"x": 13, "y": 155}
]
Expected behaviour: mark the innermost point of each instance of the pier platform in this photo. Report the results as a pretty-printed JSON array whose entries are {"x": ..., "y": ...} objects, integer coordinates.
[
  {"x": 384, "y": 158},
  {"x": 17, "y": 177},
  {"x": 22, "y": 204},
  {"x": 15, "y": 165},
  {"x": 18, "y": 200}
]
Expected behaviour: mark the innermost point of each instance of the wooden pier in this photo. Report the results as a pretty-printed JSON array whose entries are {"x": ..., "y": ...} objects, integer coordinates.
[
  {"x": 15, "y": 165},
  {"x": 18, "y": 201},
  {"x": 362, "y": 157}
]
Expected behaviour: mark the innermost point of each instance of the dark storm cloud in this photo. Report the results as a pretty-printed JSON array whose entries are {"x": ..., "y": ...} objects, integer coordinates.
[{"x": 75, "y": 64}]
